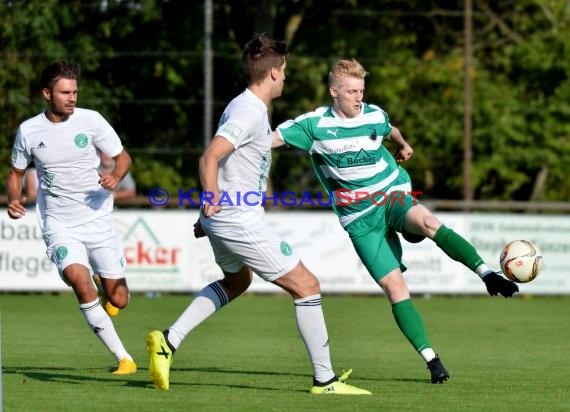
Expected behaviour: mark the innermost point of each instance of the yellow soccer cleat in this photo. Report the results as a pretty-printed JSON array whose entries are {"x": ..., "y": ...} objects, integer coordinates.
[
  {"x": 160, "y": 359},
  {"x": 339, "y": 387},
  {"x": 111, "y": 309},
  {"x": 126, "y": 367}
]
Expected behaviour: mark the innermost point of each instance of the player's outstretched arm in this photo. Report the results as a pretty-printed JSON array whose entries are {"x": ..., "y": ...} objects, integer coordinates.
[{"x": 496, "y": 284}]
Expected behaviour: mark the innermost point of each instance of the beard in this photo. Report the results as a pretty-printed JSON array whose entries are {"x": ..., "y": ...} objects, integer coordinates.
[{"x": 61, "y": 111}]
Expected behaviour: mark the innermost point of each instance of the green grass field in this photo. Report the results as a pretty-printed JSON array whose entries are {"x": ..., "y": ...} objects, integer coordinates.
[{"x": 503, "y": 355}]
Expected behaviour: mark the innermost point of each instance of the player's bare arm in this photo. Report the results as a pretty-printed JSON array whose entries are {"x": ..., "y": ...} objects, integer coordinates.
[
  {"x": 276, "y": 140},
  {"x": 404, "y": 150},
  {"x": 218, "y": 149},
  {"x": 122, "y": 165},
  {"x": 16, "y": 201}
]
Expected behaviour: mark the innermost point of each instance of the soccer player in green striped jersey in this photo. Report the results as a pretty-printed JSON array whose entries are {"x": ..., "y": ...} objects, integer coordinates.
[{"x": 373, "y": 199}]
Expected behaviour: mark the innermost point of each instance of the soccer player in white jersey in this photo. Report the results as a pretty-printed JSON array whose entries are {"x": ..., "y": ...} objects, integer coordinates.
[
  {"x": 74, "y": 202},
  {"x": 238, "y": 160},
  {"x": 373, "y": 199}
]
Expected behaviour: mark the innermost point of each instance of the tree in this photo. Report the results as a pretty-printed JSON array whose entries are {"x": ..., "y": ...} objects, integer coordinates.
[{"x": 143, "y": 69}]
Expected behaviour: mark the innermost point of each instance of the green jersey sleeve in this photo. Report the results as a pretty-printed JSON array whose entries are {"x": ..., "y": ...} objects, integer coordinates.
[{"x": 299, "y": 133}]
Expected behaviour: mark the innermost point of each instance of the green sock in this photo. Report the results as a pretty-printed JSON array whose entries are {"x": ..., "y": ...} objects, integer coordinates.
[
  {"x": 457, "y": 248},
  {"x": 411, "y": 324}
]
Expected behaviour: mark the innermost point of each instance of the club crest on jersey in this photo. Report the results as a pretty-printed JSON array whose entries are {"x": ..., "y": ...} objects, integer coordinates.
[
  {"x": 360, "y": 158},
  {"x": 81, "y": 140},
  {"x": 286, "y": 250},
  {"x": 61, "y": 253}
]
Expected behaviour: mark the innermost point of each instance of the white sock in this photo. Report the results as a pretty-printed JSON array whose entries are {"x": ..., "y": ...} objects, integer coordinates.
[
  {"x": 483, "y": 270},
  {"x": 210, "y": 299},
  {"x": 313, "y": 330},
  {"x": 100, "y": 323},
  {"x": 428, "y": 354}
]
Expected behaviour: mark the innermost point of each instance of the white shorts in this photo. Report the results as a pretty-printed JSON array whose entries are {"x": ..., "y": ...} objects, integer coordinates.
[
  {"x": 94, "y": 244},
  {"x": 255, "y": 245}
]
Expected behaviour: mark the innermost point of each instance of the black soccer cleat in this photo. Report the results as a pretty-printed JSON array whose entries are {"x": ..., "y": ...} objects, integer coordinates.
[
  {"x": 438, "y": 372},
  {"x": 496, "y": 284}
]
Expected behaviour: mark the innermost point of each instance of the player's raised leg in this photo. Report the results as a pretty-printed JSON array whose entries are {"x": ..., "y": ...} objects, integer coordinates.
[
  {"x": 419, "y": 220},
  {"x": 108, "y": 306}
]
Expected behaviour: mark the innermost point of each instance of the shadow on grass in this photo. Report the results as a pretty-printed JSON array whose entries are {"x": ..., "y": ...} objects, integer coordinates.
[
  {"x": 425, "y": 380},
  {"x": 60, "y": 375},
  {"x": 77, "y": 377}
]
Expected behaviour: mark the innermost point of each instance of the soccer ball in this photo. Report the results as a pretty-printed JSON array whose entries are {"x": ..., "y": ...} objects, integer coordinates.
[{"x": 521, "y": 261}]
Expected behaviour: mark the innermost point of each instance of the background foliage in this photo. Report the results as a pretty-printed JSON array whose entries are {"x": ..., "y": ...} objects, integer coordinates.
[{"x": 143, "y": 69}]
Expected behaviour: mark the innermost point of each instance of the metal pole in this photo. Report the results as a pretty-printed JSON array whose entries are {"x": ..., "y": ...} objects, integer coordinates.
[
  {"x": 208, "y": 75},
  {"x": 468, "y": 114}
]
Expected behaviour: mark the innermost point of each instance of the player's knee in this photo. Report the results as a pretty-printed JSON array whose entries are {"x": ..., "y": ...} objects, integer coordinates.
[
  {"x": 312, "y": 284},
  {"x": 394, "y": 286},
  {"x": 424, "y": 221},
  {"x": 120, "y": 298},
  {"x": 431, "y": 224},
  {"x": 307, "y": 284},
  {"x": 299, "y": 282}
]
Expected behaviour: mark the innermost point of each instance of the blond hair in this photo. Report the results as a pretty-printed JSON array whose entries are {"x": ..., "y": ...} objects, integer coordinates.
[{"x": 349, "y": 68}]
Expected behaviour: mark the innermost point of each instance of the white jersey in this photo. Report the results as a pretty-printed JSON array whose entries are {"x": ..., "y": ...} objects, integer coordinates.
[
  {"x": 65, "y": 155},
  {"x": 242, "y": 175}
]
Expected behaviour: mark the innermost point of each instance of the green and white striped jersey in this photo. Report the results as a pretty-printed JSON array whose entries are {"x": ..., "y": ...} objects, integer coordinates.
[{"x": 347, "y": 156}]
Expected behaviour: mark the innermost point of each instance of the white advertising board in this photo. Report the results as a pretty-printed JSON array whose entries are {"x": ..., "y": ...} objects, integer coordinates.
[{"x": 163, "y": 255}]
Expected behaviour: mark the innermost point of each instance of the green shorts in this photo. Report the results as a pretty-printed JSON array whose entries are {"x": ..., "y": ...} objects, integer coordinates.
[{"x": 376, "y": 240}]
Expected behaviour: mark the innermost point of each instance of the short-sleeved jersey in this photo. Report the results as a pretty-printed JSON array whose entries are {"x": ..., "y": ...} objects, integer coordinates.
[
  {"x": 347, "y": 155},
  {"x": 65, "y": 156},
  {"x": 242, "y": 175}
]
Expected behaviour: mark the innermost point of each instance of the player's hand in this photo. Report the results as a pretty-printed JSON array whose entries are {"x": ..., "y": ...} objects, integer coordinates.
[
  {"x": 211, "y": 207},
  {"x": 496, "y": 284},
  {"x": 403, "y": 153},
  {"x": 198, "y": 230},
  {"x": 108, "y": 181},
  {"x": 16, "y": 208}
]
